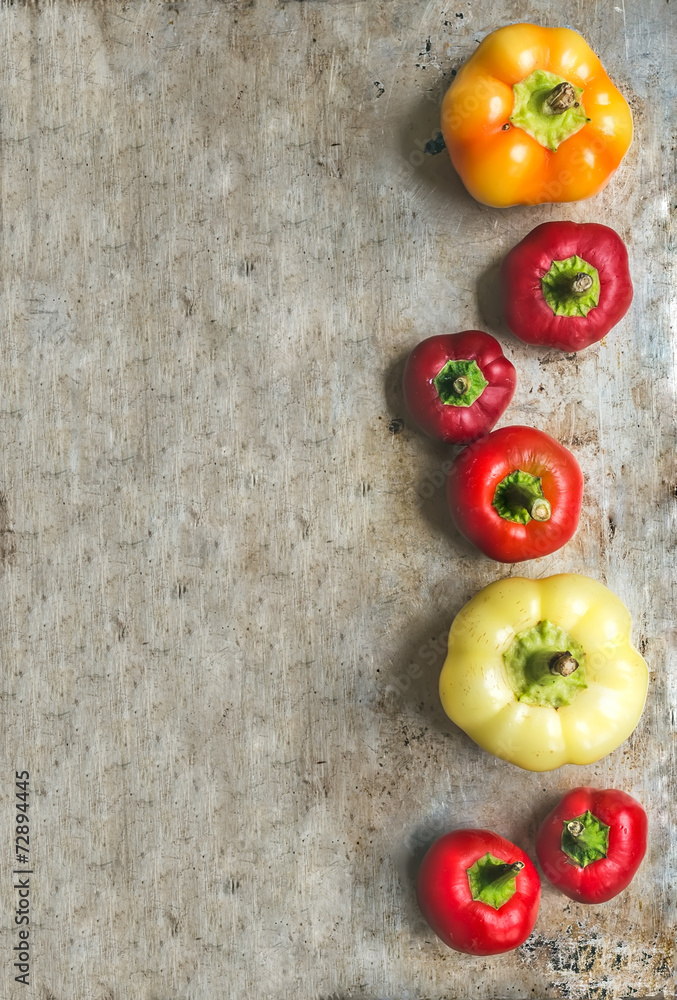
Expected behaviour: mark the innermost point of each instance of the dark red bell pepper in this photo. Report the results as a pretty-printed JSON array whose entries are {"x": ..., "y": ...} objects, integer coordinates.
[
  {"x": 516, "y": 494},
  {"x": 566, "y": 285},
  {"x": 457, "y": 385},
  {"x": 478, "y": 892},
  {"x": 592, "y": 843}
]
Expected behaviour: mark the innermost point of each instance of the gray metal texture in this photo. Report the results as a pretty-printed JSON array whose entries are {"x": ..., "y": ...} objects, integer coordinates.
[{"x": 227, "y": 569}]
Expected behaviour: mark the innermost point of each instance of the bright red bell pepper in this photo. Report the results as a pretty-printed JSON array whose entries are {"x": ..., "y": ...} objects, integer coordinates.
[
  {"x": 592, "y": 843},
  {"x": 516, "y": 494},
  {"x": 478, "y": 892},
  {"x": 566, "y": 285},
  {"x": 457, "y": 385}
]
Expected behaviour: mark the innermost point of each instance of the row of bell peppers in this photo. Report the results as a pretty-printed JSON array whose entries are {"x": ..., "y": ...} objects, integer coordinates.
[
  {"x": 538, "y": 672},
  {"x": 480, "y": 893},
  {"x": 517, "y": 493}
]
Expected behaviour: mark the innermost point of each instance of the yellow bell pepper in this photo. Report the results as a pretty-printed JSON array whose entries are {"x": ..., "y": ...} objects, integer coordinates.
[
  {"x": 532, "y": 117},
  {"x": 542, "y": 672}
]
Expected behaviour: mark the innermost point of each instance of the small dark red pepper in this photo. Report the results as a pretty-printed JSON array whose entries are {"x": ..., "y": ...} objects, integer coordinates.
[
  {"x": 516, "y": 494},
  {"x": 566, "y": 285},
  {"x": 457, "y": 385},
  {"x": 478, "y": 892},
  {"x": 592, "y": 843}
]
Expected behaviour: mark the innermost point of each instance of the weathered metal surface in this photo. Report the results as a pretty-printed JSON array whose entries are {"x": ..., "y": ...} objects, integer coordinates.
[{"x": 227, "y": 570}]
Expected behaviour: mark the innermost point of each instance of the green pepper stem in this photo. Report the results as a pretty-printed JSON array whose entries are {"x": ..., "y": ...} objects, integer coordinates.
[
  {"x": 575, "y": 828},
  {"x": 516, "y": 866},
  {"x": 563, "y": 664},
  {"x": 519, "y": 498},
  {"x": 585, "y": 839},
  {"x": 492, "y": 880},
  {"x": 582, "y": 283},
  {"x": 560, "y": 99},
  {"x": 504, "y": 873},
  {"x": 541, "y": 510},
  {"x": 540, "y": 666},
  {"x": 571, "y": 287},
  {"x": 548, "y": 108},
  {"x": 460, "y": 382}
]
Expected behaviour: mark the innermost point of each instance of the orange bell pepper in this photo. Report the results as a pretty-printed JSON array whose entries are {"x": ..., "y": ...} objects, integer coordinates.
[{"x": 532, "y": 117}]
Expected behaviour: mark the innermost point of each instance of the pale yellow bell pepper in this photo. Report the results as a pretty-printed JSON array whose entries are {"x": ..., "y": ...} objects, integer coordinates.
[{"x": 542, "y": 672}]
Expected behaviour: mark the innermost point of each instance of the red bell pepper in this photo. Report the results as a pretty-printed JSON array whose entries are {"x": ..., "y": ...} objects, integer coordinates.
[
  {"x": 566, "y": 285},
  {"x": 478, "y": 892},
  {"x": 516, "y": 494},
  {"x": 592, "y": 843},
  {"x": 457, "y": 385}
]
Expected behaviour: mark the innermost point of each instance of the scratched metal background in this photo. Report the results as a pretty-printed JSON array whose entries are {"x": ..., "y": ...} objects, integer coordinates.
[{"x": 227, "y": 570}]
